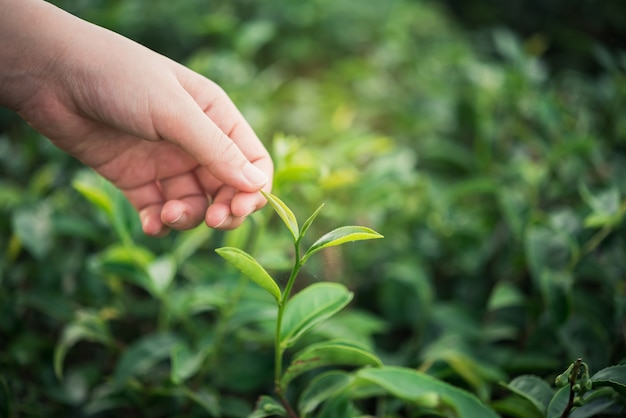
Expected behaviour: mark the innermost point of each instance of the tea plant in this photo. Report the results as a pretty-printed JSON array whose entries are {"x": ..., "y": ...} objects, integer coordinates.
[
  {"x": 299, "y": 314},
  {"x": 578, "y": 395}
]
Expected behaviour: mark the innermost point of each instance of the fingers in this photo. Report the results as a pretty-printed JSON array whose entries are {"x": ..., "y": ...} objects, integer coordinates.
[{"x": 185, "y": 124}]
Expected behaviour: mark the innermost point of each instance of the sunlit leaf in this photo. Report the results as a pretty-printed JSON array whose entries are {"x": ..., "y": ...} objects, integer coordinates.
[
  {"x": 87, "y": 184},
  {"x": 328, "y": 353},
  {"x": 310, "y": 307},
  {"x": 285, "y": 214},
  {"x": 161, "y": 273},
  {"x": 245, "y": 263},
  {"x": 340, "y": 236},
  {"x": 422, "y": 389}
]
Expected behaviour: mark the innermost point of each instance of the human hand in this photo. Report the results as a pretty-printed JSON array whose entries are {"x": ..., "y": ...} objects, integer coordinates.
[{"x": 171, "y": 140}]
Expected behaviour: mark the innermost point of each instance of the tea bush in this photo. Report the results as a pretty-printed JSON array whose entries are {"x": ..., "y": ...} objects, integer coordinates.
[{"x": 495, "y": 179}]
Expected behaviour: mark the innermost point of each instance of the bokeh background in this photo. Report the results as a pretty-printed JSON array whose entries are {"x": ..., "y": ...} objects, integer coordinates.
[{"x": 485, "y": 140}]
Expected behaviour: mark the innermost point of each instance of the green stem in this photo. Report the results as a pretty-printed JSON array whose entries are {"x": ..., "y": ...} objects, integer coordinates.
[
  {"x": 279, "y": 348},
  {"x": 572, "y": 393}
]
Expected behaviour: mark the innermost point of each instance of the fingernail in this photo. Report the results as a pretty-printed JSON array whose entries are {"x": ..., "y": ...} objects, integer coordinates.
[
  {"x": 181, "y": 219},
  {"x": 255, "y": 176},
  {"x": 222, "y": 222}
]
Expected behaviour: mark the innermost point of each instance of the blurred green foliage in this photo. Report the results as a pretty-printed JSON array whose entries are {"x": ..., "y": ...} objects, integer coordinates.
[{"x": 496, "y": 181}]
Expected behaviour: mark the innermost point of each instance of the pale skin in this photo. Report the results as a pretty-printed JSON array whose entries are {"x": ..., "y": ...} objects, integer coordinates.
[{"x": 171, "y": 140}]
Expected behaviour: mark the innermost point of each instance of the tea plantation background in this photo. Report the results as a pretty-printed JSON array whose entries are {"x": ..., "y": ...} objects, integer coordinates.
[{"x": 487, "y": 144}]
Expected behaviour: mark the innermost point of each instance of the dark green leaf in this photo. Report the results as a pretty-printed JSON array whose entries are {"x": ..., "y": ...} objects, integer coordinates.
[
  {"x": 143, "y": 355},
  {"x": 185, "y": 362},
  {"x": 614, "y": 377},
  {"x": 86, "y": 326},
  {"x": 534, "y": 389},
  {"x": 558, "y": 403}
]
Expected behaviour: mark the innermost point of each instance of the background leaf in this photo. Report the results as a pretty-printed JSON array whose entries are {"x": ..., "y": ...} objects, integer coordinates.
[{"x": 144, "y": 354}]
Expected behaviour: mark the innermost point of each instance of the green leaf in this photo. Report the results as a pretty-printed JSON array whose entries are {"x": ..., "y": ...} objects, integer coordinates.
[
  {"x": 185, "y": 362},
  {"x": 593, "y": 408},
  {"x": 534, "y": 389},
  {"x": 90, "y": 186},
  {"x": 558, "y": 403},
  {"x": 33, "y": 227},
  {"x": 310, "y": 307},
  {"x": 422, "y": 389},
  {"x": 268, "y": 407},
  {"x": 188, "y": 242},
  {"x": 518, "y": 407},
  {"x": 86, "y": 326},
  {"x": 143, "y": 355},
  {"x": 307, "y": 224},
  {"x": 321, "y": 388},
  {"x": 245, "y": 263},
  {"x": 161, "y": 272},
  {"x": 285, "y": 214},
  {"x": 556, "y": 290},
  {"x": 340, "y": 236},
  {"x": 328, "y": 353},
  {"x": 614, "y": 376}
]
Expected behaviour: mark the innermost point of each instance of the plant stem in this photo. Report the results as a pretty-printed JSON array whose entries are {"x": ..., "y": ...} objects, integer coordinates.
[
  {"x": 278, "y": 347},
  {"x": 572, "y": 382}
]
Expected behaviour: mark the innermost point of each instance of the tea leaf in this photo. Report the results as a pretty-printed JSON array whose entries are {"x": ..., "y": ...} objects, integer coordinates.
[
  {"x": 285, "y": 214},
  {"x": 309, "y": 221},
  {"x": 321, "y": 388},
  {"x": 143, "y": 355},
  {"x": 161, "y": 273},
  {"x": 533, "y": 389},
  {"x": 416, "y": 387},
  {"x": 185, "y": 362},
  {"x": 310, "y": 307},
  {"x": 328, "y": 353},
  {"x": 86, "y": 326},
  {"x": 268, "y": 407},
  {"x": 614, "y": 377},
  {"x": 85, "y": 184},
  {"x": 245, "y": 263},
  {"x": 558, "y": 403},
  {"x": 340, "y": 236}
]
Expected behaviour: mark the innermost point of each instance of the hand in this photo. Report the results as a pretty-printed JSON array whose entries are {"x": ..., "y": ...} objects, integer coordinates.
[{"x": 170, "y": 139}]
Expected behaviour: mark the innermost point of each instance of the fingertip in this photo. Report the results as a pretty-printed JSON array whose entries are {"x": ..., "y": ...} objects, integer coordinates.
[{"x": 255, "y": 177}]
